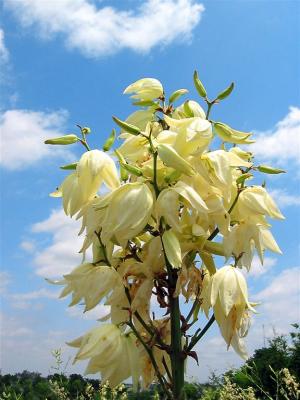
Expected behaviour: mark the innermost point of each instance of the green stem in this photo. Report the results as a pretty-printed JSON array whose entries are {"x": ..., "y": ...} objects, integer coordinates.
[
  {"x": 84, "y": 143},
  {"x": 98, "y": 234},
  {"x": 209, "y": 106},
  {"x": 155, "y": 174},
  {"x": 177, "y": 359},
  {"x": 176, "y": 353}
]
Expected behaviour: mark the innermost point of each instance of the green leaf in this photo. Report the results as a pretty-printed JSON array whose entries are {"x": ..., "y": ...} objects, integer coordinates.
[
  {"x": 63, "y": 140},
  {"x": 177, "y": 94},
  {"x": 269, "y": 170},
  {"x": 69, "y": 166},
  {"x": 199, "y": 85},
  {"x": 134, "y": 130},
  {"x": 110, "y": 141},
  {"x": 226, "y": 92}
]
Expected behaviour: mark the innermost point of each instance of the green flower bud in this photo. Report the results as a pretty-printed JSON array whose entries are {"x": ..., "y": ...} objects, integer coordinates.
[
  {"x": 145, "y": 103},
  {"x": 199, "y": 86},
  {"x": 85, "y": 130},
  {"x": 187, "y": 110},
  {"x": 177, "y": 94},
  {"x": 241, "y": 179},
  {"x": 124, "y": 174},
  {"x": 110, "y": 141},
  {"x": 269, "y": 170},
  {"x": 225, "y": 92},
  {"x": 63, "y": 140},
  {"x": 134, "y": 130},
  {"x": 132, "y": 169}
]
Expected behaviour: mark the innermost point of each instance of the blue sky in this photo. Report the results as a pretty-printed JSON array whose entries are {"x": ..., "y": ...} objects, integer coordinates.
[{"x": 68, "y": 61}]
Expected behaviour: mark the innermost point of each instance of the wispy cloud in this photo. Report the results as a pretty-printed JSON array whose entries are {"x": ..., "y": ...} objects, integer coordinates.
[
  {"x": 31, "y": 299},
  {"x": 4, "y": 54},
  {"x": 94, "y": 314},
  {"x": 285, "y": 199},
  {"x": 62, "y": 254},
  {"x": 98, "y": 31},
  {"x": 23, "y": 133},
  {"x": 280, "y": 145}
]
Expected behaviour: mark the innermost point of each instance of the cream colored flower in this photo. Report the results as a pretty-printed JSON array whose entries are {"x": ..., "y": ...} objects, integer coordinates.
[
  {"x": 94, "y": 168},
  {"x": 90, "y": 283},
  {"x": 127, "y": 211},
  {"x": 111, "y": 352},
  {"x": 244, "y": 237},
  {"x": 229, "y": 299},
  {"x": 255, "y": 200},
  {"x": 145, "y": 89}
]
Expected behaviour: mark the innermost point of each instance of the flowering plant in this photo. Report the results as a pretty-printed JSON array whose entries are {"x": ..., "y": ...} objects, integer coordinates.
[{"x": 180, "y": 197}]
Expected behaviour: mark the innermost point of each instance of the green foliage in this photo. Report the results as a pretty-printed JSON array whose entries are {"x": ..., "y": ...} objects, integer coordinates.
[{"x": 272, "y": 373}]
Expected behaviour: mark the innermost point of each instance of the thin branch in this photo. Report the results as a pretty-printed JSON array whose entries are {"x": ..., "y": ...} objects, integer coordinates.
[
  {"x": 195, "y": 339},
  {"x": 98, "y": 234}
]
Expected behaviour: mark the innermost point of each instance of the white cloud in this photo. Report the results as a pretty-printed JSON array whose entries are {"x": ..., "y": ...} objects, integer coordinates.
[
  {"x": 100, "y": 31},
  {"x": 62, "y": 254},
  {"x": 282, "y": 144},
  {"x": 257, "y": 269},
  {"x": 5, "y": 279},
  {"x": 284, "y": 199},
  {"x": 4, "y": 54},
  {"x": 94, "y": 314},
  {"x": 23, "y": 133},
  {"x": 25, "y": 300},
  {"x": 28, "y": 246}
]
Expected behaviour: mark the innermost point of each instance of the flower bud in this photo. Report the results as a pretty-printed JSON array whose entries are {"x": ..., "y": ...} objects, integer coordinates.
[
  {"x": 69, "y": 166},
  {"x": 269, "y": 170},
  {"x": 199, "y": 85},
  {"x": 110, "y": 141},
  {"x": 63, "y": 140},
  {"x": 177, "y": 94},
  {"x": 134, "y": 130},
  {"x": 225, "y": 93}
]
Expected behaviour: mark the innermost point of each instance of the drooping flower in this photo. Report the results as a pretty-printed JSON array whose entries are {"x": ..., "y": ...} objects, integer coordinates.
[
  {"x": 111, "y": 352},
  {"x": 90, "y": 283},
  {"x": 229, "y": 299},
  {"x": 94, "y": 168},
  {"x": 127, "y": 211}
]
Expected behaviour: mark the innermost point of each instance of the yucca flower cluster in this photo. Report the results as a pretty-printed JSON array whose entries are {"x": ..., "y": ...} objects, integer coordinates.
[{"x": 156, "y": 211}]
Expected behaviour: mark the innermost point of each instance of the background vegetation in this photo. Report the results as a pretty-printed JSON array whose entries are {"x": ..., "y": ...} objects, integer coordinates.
[{"x": 272, "y": 373}]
